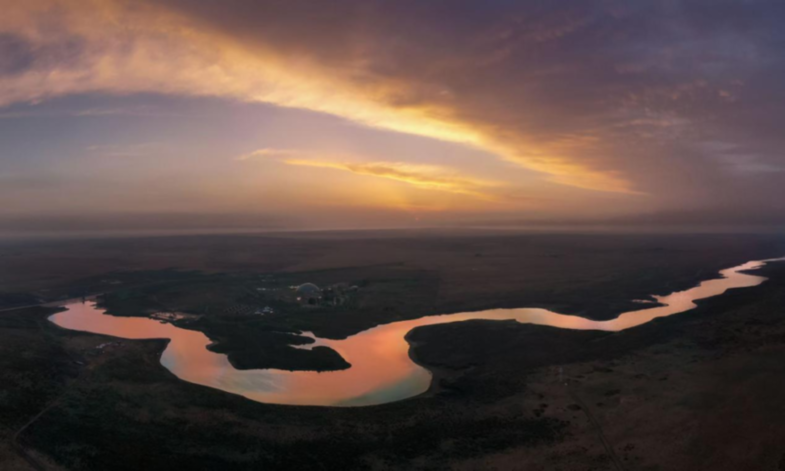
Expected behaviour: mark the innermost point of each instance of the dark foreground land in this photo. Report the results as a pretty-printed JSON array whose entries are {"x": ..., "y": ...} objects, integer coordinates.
[{"x": 702, "y": 390}]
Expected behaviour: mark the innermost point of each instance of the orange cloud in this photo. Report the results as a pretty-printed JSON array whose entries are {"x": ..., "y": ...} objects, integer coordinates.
[
  {"x": 130, "y": 47},
  {"x": 267, "y": 152},
  {"x": 429, "y": 177},
  {"x": 421, "y": 176}
]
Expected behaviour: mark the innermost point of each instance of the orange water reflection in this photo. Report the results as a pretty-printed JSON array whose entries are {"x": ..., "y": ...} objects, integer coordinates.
[{"x": 381, "y": 368}]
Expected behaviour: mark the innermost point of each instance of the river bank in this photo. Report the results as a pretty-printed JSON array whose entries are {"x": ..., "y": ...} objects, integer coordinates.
[
  {"x": 717, "y": 371},
  {"x": 381, "y": 367}
]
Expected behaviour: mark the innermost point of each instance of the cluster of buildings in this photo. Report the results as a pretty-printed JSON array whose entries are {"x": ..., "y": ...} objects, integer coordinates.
[{"x": 308, "y": 294}]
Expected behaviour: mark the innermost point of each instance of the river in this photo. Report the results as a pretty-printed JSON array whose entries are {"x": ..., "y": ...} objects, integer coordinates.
[{"x": 381, "y": 370}]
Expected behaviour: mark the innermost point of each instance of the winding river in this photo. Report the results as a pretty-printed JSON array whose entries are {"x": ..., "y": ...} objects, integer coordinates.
[{"x": 381, "y": 370}]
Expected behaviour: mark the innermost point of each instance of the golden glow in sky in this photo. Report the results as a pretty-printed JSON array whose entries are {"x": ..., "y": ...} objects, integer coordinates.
[{"x": 565, "y": 112}]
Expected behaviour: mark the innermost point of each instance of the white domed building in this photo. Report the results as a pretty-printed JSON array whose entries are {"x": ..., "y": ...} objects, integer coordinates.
[{"x": 308, "y": 294}]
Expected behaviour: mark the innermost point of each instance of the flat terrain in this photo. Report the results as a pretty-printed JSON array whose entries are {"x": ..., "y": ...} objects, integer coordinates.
[
  {"x": 702, "y": 390},
  {"x": 695, "y": 391},
  {"x": 592, "y": 275}
]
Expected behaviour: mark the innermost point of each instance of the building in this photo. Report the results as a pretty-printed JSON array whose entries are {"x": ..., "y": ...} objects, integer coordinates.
[{"x": 308, "y": 294}]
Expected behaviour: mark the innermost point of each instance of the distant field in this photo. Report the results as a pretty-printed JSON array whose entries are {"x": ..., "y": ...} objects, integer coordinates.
[
  {"x": 218, "y": 278},
  {"x": 505, "y": 395},
  {"x": 591, "y": 275}
]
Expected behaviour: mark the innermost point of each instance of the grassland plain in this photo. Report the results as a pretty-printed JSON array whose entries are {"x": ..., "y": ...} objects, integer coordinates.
[
  {"x": 402, "y": 277},
  {"x": 701, "y": 388}
]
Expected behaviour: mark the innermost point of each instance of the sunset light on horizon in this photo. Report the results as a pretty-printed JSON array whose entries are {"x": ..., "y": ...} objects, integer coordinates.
[{"x": 353, "y": 114}]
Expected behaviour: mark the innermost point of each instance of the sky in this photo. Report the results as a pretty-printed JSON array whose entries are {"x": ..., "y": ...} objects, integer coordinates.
[{"x": 272, "y": 114}]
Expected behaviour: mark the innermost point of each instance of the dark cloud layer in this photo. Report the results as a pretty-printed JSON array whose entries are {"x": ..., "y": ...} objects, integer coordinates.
[
  {"x": 679, "y": 100},
  {"x": 15, "y": 54},
  {"x": 681, "y": 96}
]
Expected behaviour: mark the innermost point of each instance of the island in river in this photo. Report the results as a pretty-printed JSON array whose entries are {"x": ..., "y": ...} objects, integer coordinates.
[{"x": 568, "y": 400}]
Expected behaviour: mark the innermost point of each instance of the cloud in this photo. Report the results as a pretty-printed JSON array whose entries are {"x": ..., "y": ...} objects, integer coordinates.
[
  {"x": 421, "y": 176},
  {"x": 428, "y": 177},
  {"x": 15, "y": 54},
  {"x": 125, "y": 150},
  {"x": 174, "y": 51},
  {"x": 553, "y": 87},
  {"x": 268, "y": 152}
]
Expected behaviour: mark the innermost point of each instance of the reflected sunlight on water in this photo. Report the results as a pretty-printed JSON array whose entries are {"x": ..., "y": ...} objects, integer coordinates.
[{"x": 381, "y": 369}]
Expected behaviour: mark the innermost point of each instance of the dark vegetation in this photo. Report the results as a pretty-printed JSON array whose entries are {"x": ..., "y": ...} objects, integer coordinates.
[
  {"x": 122, "y": 401},
  {"x": 115, "y": 403},
  {"x": 250, "y": 344},
  {"x": 224, "y": 308},
  {"x": 225, "y": 280},
  {"x": 495, "y": 403},
  {"x": 474, "y": 344},
  {"x": 592, "y": 275},
  {"x": 34, "y": 365}
]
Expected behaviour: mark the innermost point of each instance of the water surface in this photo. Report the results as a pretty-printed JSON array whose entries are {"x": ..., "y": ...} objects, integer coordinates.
[{"x": 381, "y": 369}]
